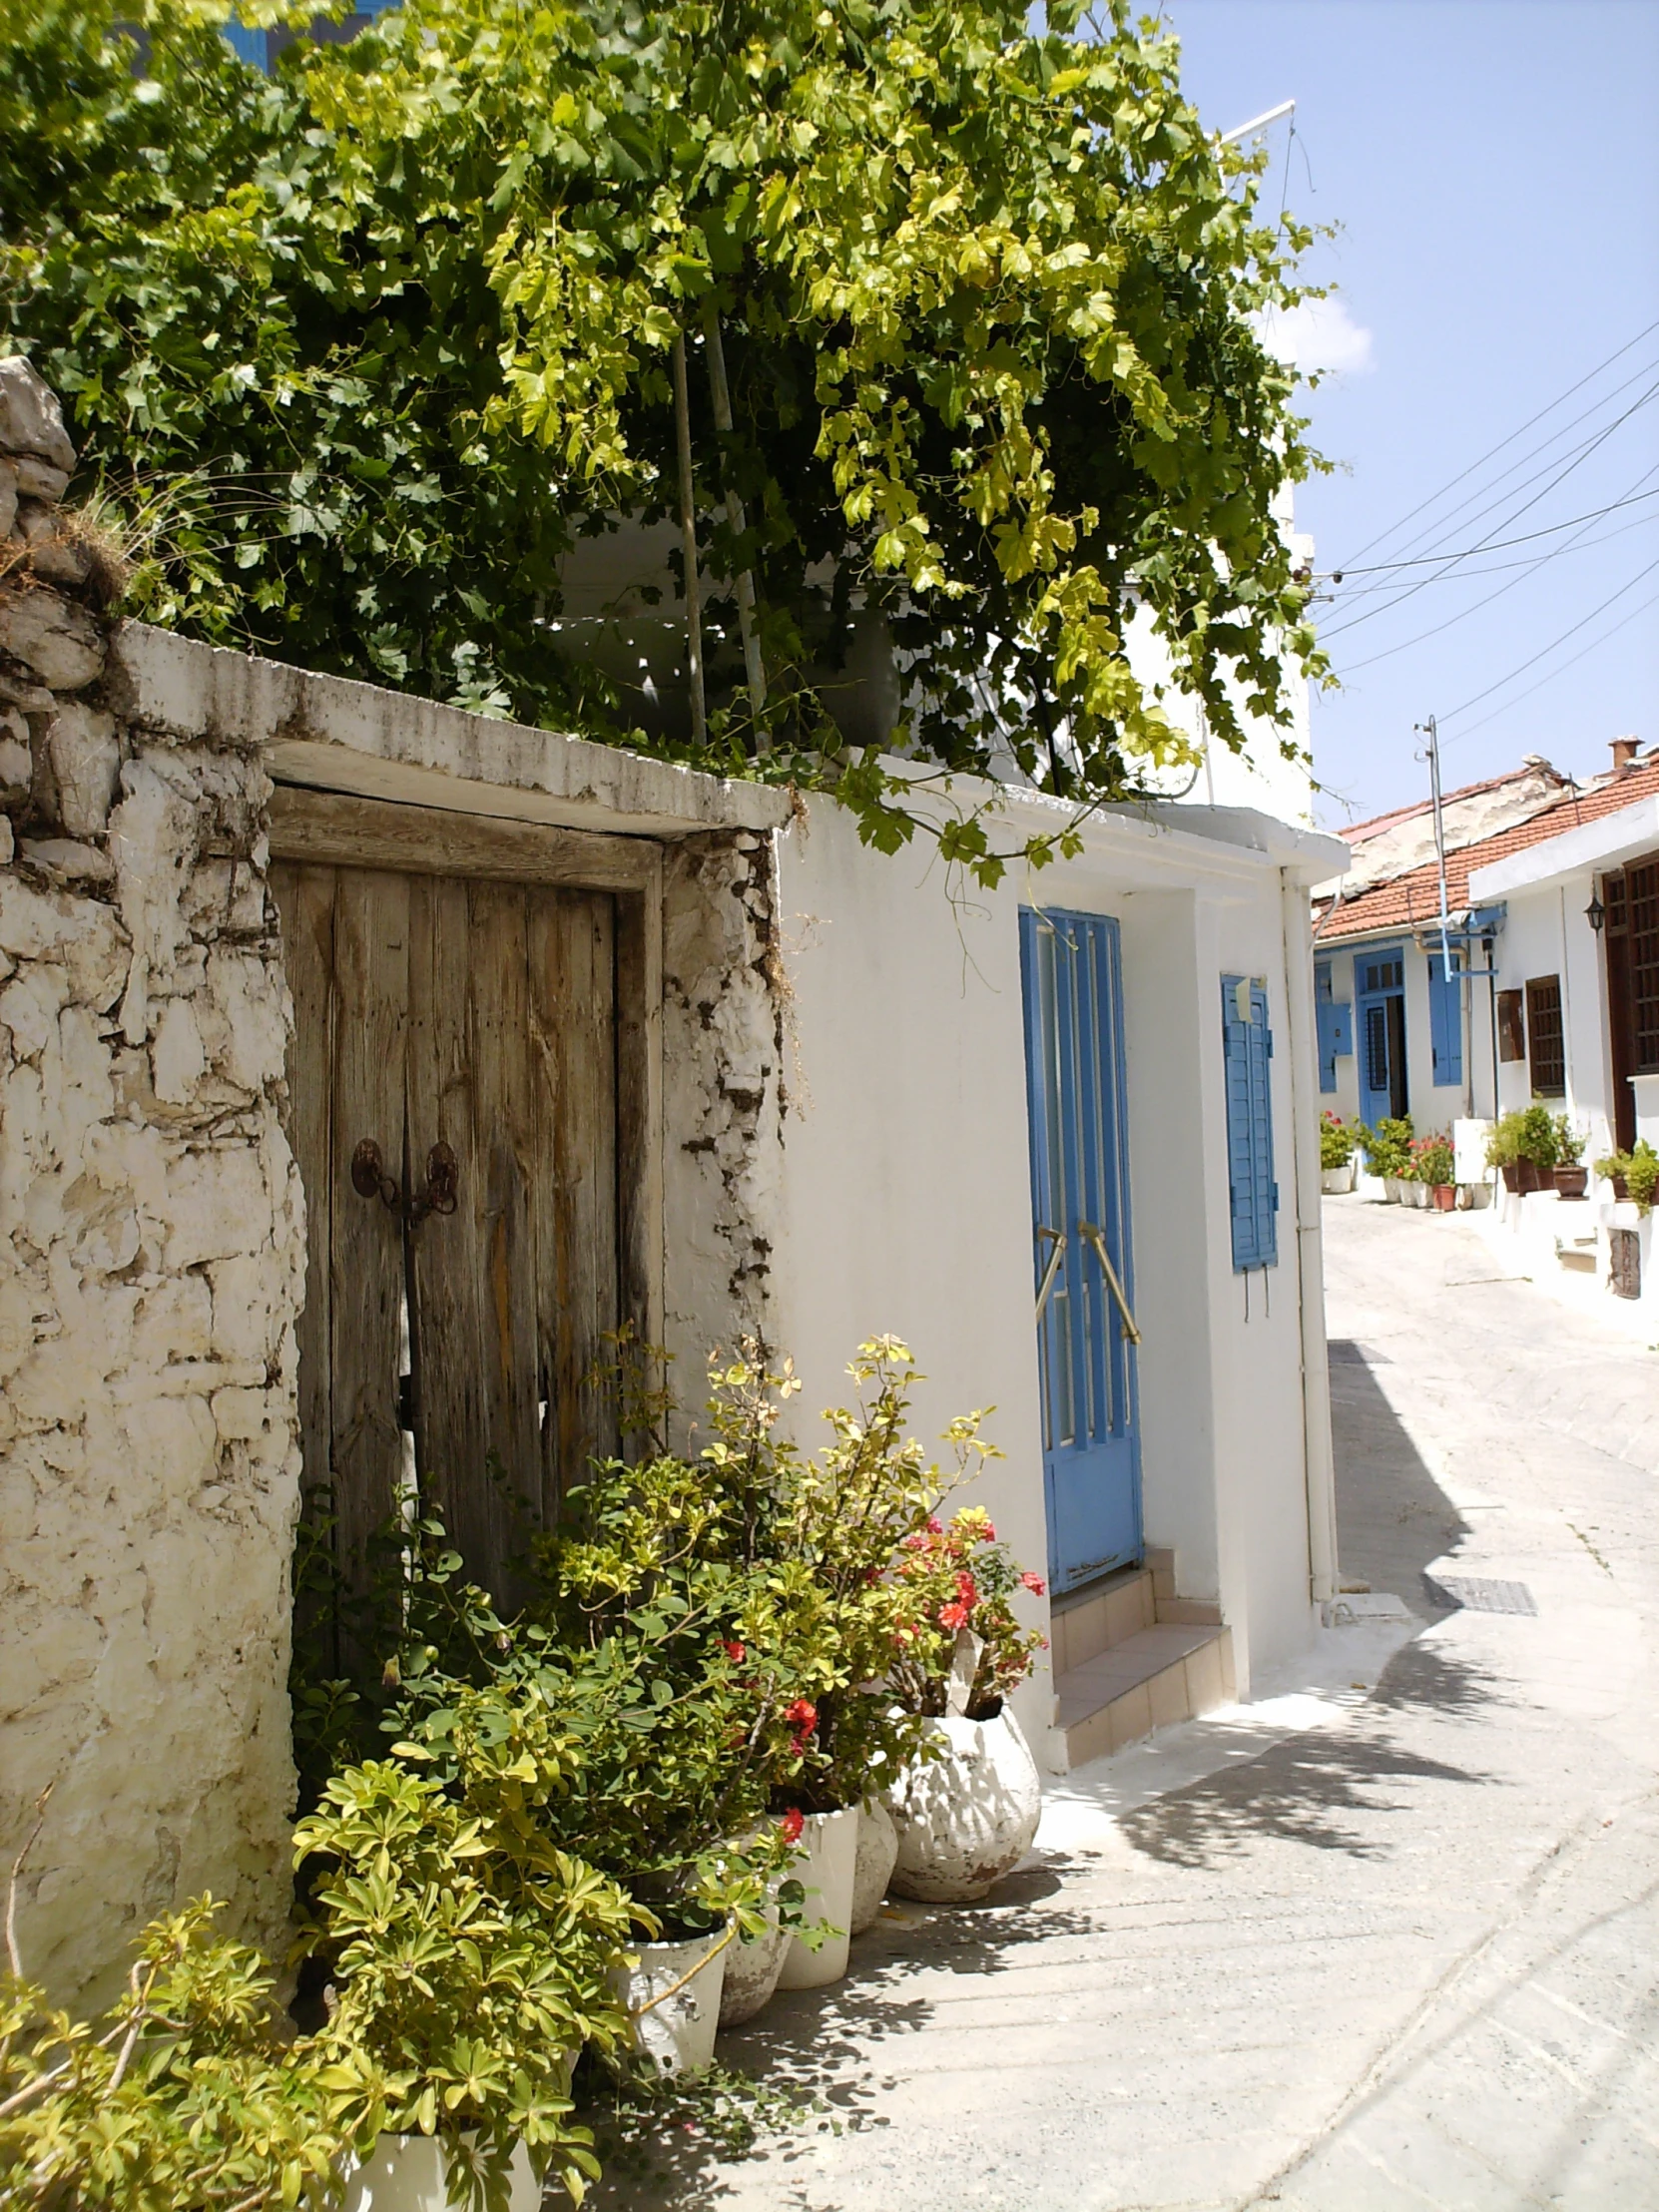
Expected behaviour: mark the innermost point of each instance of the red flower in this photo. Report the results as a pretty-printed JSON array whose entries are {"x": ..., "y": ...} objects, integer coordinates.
[
  {"x": 990, "y": 1533},
  {"x": 967, "y": 1591},
  {"x": 954, "y": 1616},
  {"x": 737, "y": 1653},
  {"x": 802, "y": 1717},
  {"x": 935, "y": 1527},
  {"x": 792, "y": 1824},
  {"x": 1034, "y": 1583}
]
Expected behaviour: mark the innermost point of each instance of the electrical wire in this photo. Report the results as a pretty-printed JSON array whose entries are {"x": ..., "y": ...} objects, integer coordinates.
[
  {"x": 1525, "y": 569},
  {"x": 1543, "y": 650},
  {"x": 1499, "y": 545},
  {"x": 1583, "y": 453},
  {"x": 1573, "y": 661},
  {"x": 1492, "y": 452}
]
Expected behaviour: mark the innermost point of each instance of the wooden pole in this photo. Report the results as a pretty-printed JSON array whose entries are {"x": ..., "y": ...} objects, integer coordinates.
[
  {"x": 688, "y": 542},
  {"x": 752, "y": 664}
]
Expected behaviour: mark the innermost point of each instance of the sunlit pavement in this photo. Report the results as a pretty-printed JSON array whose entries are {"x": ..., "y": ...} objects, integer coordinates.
[{"x": 1387, "y": 1937}]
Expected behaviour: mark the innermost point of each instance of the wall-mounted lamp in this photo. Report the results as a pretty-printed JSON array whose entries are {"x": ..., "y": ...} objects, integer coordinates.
[{"x": 1595, "y": 914}]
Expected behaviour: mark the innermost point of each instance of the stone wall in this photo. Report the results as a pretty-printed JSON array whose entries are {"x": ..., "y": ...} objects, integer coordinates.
[
  {"x": 724, "y": 1098},
  {"x": 150, "y": 1268}
]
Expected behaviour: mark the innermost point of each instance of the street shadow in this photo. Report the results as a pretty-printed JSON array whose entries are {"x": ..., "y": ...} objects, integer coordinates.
[
  {"x": 1423, "y": 1678},
  {"x": 816, "y": 2060},
  {"x": 1393, "y": 1518},
  {"x": 1301, "y": 1789}
]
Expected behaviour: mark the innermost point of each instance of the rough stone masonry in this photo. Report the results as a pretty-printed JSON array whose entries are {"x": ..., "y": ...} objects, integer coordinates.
[{"x": 151, "y": 1256}]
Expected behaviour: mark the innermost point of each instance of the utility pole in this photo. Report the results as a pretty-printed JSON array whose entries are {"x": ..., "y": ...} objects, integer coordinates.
[{"x": 1430, "y": 731}]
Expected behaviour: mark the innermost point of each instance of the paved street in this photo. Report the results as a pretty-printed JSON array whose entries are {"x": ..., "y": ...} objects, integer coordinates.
[{"x": 1386, "y": 1938}]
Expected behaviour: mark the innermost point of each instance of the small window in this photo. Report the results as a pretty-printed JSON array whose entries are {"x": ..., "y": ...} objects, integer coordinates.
[
  {"x": 1548, "y": 1055},
  {"x": 1383, "y": 975},
  {"x": 1512, "y": 1026}
]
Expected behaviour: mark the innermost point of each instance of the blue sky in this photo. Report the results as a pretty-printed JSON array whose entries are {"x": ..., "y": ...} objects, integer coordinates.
[{"x": 1495, "y": 168}]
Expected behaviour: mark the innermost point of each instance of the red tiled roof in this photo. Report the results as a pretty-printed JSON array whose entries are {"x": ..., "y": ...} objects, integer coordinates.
[
  {"x": 1357, "y": 832},
  {"x": 1402, "y": 901}
]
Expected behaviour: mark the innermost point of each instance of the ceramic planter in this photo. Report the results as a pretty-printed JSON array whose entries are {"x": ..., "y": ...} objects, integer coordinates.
[
  {"x": 967, "y": 1818},
  {"x": 1572, "y": 1182},
  {"x": 409, "y": 2174},
  {"x": 1446, "y": 1197},
  {"x": 674, "y": 1997},
  {"x": 878, "y": 1856},
  {"x": 1335, "y": 1180},
  {"x": 1392, "y": 1189},
  {"x": 751, "y": 1970},
  {"x": 827, "y": 1869}
]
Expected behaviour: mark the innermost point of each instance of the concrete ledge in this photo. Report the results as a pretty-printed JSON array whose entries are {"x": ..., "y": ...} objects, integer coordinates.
[{"x": 333, "y": 734}]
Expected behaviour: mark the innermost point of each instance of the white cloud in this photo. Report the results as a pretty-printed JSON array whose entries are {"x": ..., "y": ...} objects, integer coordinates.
[{"x": 1319, "y": 335}]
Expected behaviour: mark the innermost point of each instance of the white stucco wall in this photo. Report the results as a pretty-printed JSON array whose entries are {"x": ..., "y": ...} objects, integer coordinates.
[{"x": 906, "y": 1193}]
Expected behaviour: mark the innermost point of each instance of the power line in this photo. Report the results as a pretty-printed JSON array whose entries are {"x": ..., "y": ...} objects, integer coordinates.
[
  {"x": 1613, "y": 631},
  {"x": 1544, "y": 651},
  {"x": 1499, "y": 545},
  {"x": 1492, "y": 452},
  {"x": 1581, "y": 455}
]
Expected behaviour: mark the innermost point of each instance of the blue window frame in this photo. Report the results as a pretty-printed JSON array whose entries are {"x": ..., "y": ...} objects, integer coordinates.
[
  {"x": 1445, "y": 1018},
  {"x": 261, "y": 48},
  {"x": 1248, "y": 1046},
  {"x": 1334, "y": 1021}
]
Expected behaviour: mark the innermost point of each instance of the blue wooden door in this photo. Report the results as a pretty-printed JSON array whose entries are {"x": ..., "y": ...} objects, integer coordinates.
[
  {"x": 1379, "y": 988},
  {"x": 1080, "y": 1203}
]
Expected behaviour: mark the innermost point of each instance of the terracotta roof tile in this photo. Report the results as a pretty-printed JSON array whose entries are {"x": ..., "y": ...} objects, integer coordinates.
[{"x": 1403, "y": 901}]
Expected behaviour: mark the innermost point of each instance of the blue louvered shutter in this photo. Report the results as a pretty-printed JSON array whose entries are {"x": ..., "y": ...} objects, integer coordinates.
[
  {"x": 1445, "y": 1019},
  {"x": 1248, "y": 1052}
]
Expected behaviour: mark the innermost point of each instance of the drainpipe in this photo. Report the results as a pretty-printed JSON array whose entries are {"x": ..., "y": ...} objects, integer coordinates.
[{"x": 1317, "y": 1459}]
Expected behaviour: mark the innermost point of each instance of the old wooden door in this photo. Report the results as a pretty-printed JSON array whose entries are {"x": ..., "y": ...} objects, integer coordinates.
[{"x": 471, "y": 1102}]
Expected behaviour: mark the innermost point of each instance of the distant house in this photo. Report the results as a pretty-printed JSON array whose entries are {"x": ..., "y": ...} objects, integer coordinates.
[{"x": 1446, "y": 1031}]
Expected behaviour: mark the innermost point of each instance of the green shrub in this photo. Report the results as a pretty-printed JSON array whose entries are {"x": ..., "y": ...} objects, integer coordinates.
[
  {"x": 1337, "y": 1140},
  {"x": 1539, "y": 1138},
  {"x": 1639, "y": 1169},
  {"x": 1432, "y": 1159},
  {"x": 188, "y": 2094},
  {"x": 1387, "y": 1147}
]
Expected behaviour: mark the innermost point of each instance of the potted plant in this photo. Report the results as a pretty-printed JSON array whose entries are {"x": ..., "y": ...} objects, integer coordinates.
[
  {"x": 966, "y": 1818},
  {"x": 469, "y": 1958},
  {"x": 191, "y": 2091},
  {"x": 1388, "y": 1150},
  {"x": 1572, "y": 1177},
  {"x": 1537, "y": 1146},
  {"x": 1634, "y": 1175},
  {"x": 1433, "y": 1164},
  {"x": 1504, "y": 1142},
  {"x": 1336, "y": 1143}
]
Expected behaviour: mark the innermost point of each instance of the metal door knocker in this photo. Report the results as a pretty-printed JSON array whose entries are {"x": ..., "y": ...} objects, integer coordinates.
[{"x": 440, "y": 1196}]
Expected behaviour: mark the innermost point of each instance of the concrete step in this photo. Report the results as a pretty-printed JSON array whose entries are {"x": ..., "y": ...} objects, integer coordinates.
[{"x": 1149, "y": 1679}]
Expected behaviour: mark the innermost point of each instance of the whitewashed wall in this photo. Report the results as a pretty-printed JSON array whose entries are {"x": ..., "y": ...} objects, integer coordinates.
[{"x": 906, "y": 1193}]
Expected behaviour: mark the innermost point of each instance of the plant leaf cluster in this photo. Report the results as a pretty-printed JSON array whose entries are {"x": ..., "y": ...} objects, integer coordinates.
[{"x": 370, "y": 346}]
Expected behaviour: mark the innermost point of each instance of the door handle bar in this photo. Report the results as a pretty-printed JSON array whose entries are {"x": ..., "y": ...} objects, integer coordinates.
[
  {"x": 1045, "y": 1288},
  {"x": 1091, "y": 1235}
]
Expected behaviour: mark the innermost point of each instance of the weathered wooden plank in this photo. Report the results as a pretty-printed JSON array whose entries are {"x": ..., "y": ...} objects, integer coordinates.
[
  {"x": 505, "y": 1147},
  {"x": 573, "y": 1037},
  {"x": 305, "y": 911},
  {"x": 332, "y": 827},
  {"x": 447, "y": 1253},
  {"x": 365, "y": 1257},
  {"x": 639, "y": 987}
]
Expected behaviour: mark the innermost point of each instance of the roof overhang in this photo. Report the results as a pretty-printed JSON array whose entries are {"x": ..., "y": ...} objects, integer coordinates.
[{"x": 1595, "y": 845}]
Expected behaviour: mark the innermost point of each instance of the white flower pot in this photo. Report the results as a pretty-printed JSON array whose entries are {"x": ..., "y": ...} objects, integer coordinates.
[
  {"x": 674, "y": 1997},
  {"x": 878, "y": 1856},
  {"x": 1336, "y": 1180},
  {"x": 969, "y": 1817},
  {"x": 751, "y": 1970},
  {"x": 826, "y": 1870},
  {"x": 409, "y": 2173}
]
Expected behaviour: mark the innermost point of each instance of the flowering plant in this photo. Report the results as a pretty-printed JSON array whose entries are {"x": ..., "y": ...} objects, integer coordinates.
[
  {"x": 1432, "y": 1160},
  {"x": 1337, "y": 1140},
  {"x": 958, "y": 1581}
]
